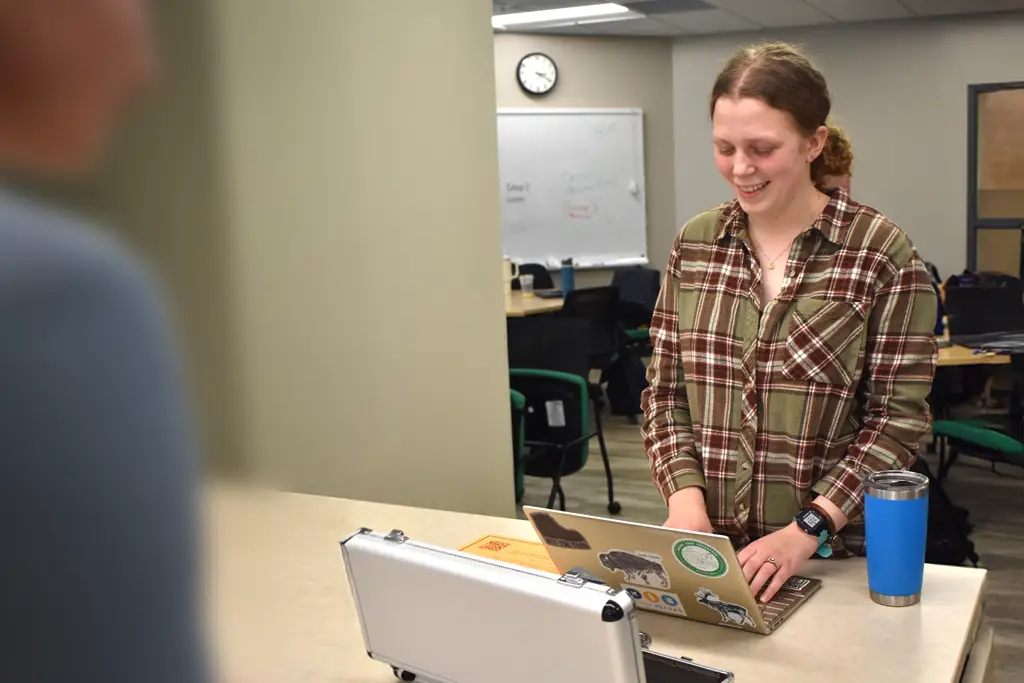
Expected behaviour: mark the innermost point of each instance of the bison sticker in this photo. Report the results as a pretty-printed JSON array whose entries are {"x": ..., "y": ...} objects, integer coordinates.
[
  {"x": 732, "y": 615},
  {"x": 636, "y": 567}
]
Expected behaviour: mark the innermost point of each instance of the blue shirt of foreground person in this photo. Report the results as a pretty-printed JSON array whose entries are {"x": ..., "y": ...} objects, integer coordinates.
[{"x": 98, "y": 532}]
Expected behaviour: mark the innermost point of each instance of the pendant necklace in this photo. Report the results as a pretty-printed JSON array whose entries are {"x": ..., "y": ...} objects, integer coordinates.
[{"x": 771, "y": 263}]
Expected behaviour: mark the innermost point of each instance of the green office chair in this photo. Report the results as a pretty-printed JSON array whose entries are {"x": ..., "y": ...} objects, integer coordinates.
[
  {"x": 518, "y": 402},
  {"x": 557, "y": 425},
  {"x": 561, "y": 345},
  {"x": 993, "y": 440},
  {"x": 975, "y": 438}
]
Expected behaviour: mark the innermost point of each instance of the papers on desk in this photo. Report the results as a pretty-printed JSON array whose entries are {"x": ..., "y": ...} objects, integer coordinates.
[
  {"x": 512, "y": 550},
  {"x": 1008, "y": 346}
]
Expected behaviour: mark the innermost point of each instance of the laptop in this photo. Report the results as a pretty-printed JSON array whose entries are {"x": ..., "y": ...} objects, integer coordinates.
[
  {"x": 985, "y": 317},
  {"x": 685, "y": 574}
]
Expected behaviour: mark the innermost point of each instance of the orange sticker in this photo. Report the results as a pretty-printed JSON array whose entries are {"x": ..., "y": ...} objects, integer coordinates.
[{"x": 512, "y": 550}]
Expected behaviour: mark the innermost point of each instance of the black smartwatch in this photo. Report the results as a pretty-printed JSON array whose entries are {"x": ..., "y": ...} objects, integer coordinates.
[{"x": 815, "y": 522}]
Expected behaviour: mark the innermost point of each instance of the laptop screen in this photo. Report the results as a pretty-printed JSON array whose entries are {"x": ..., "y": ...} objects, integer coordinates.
[{"x": 662, "y": 669}]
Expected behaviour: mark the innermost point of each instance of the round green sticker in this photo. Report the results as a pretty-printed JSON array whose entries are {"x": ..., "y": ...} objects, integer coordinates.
[{"x": 700, "y": 558}]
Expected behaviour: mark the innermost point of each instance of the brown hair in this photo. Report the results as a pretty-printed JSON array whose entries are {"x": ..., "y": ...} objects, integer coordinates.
[{"x": 783, "y": 78}]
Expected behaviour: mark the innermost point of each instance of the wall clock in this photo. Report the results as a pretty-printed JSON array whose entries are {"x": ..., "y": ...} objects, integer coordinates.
[{"x": 537, "y": 73}]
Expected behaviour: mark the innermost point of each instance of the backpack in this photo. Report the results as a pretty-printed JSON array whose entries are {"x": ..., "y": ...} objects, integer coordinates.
[{"x": 949, "y": 530}]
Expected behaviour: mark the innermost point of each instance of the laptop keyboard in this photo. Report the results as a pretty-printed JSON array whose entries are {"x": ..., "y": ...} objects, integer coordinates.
[{"x": 783, "y": 600}]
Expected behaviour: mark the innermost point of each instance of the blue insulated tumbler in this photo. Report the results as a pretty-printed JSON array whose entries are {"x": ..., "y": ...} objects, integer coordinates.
[
  {"x": 568, "y": 277},
  {"x": 896, "y": 521}
]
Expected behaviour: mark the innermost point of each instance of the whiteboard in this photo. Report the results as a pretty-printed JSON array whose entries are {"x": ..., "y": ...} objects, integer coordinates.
[{"x": 572, "y": 186}]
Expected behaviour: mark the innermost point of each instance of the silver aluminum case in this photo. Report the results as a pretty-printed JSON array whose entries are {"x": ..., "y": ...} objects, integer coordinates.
[{"x": 445, "y": 616}]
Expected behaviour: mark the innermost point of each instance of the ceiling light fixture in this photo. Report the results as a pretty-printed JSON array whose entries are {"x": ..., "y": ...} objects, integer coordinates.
[{"x": 563, "y": 14}]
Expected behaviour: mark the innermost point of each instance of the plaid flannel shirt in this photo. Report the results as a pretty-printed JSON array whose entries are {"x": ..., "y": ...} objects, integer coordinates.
[{"x": 766, "y": 409}]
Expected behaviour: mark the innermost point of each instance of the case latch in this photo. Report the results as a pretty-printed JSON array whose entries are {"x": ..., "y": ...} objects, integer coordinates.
[
  {"x": 396, "y": 536},
  {"x": 573, "y": 579}
]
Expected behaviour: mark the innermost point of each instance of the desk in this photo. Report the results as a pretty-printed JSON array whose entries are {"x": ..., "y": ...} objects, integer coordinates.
[
  {"x": 292, "y": 580},
  {"x": 516, "y": 306},
  {"x": 961, "y": 355}
]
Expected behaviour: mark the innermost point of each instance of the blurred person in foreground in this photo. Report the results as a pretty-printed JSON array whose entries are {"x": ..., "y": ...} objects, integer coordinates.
[{"x": 98, "y": 565}]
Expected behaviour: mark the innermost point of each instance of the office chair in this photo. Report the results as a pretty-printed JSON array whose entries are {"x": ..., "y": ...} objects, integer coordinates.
[
  {"x": 557, "y": 433},
  {"x": 561, "y": 345},
  {"x": 599, "y": 307},
  {"x": 611, "y": 350},
  {"x": 987, "y": 314},
  {"x": 541, "y": 276},
  {"x": 518, "y": 404},
  {"x": 638, "y": 294}
]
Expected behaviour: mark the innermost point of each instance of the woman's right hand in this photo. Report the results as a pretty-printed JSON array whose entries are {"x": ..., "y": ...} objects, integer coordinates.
[{"x": 687, "y": 511}]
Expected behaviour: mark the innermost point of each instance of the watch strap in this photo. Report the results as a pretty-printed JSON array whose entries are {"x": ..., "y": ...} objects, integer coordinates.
[
  {"x": 828, "y": 518},
  {"x": 824, "y": 545}
]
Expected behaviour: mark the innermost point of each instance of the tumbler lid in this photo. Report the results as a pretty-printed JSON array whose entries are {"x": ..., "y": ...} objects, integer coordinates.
[{"x": 896, "y": 485}]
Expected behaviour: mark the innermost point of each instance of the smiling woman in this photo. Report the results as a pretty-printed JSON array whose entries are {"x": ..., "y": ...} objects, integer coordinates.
[{"x": 793, "y": 345}]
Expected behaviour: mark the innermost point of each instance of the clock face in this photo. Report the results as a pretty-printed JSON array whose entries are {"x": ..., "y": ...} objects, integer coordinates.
[{"x": 537, "y": 73}]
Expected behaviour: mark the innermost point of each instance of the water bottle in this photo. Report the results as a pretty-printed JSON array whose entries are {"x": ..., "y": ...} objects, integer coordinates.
[
  {"x": 568, "y": 277},
  {"x": 896, "y": 525}
]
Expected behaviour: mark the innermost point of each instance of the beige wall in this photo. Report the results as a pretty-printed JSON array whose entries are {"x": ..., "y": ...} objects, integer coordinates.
[
  {"x": 365, "y": 246},
  {"x": 608, "y": 72},
  {"x": 903, "y": 101}
]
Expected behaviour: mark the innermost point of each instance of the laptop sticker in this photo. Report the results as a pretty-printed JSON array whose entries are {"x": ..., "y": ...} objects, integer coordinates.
[
  {"x": 557, "y": 535},
  {"x": 658, "y": 601},
  {"x": 732, "y": 615},
  {"x": 796, "y": 584},
  {"x": 636, "y": 567},
  {"x": 700, "y": 558}
]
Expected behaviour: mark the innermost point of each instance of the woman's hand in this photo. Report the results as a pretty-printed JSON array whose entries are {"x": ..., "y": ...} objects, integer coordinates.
[
  {"x": 790, "y": 547},
  {"x": 687, "y": 511}
]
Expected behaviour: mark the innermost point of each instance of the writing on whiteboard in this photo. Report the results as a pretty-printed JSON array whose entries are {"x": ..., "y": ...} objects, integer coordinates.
[
  {"x": 515, "y": 193},
  {"x": 582, "y": 211}
]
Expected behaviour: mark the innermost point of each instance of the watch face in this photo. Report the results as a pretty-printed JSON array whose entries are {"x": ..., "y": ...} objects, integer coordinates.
[
  {"x": 537, "y": 73},
  {"x": 812, "y": 518}
]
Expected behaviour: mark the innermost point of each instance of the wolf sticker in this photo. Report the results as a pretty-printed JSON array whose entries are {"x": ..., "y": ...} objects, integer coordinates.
[
  {"x": 636, "y": 567},
  {"x": 733, "y": 615}
]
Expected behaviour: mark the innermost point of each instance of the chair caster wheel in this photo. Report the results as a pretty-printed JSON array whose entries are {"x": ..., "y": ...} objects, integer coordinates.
[{"x": 614, "y": 507}]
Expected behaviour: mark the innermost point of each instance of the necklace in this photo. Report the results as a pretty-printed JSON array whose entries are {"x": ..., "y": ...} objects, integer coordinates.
[
  {"x": 771, "y": 263},
  {"x": 789, "y": 245}
]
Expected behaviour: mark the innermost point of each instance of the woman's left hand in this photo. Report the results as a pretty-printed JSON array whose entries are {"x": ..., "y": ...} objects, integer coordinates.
[{"x": 789, "y": 547}]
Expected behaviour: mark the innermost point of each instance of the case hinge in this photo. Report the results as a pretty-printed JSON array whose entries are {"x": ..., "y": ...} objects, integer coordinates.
[{"x": 396, "y": 536}]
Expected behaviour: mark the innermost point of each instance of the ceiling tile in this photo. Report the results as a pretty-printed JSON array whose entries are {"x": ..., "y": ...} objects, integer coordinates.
[
  {"x": 926, "y": 8},
  {"x": 634, "y": 26},
  {"x": 512, "y": 6},
  {"x": 776, "y": 13},
  {"x": 566, "y": 31},
  {"x": 639, "y": 26},
  {"x": 667, "y": 6},
  {"x": 708, "y": 21},
  {"x": 862, "y": 10}
]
